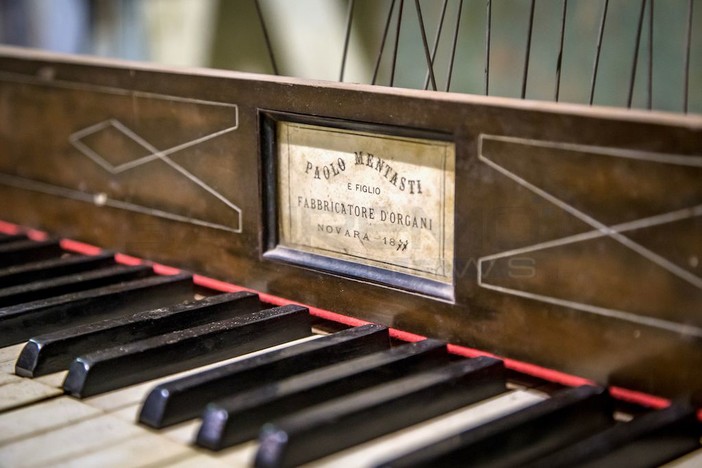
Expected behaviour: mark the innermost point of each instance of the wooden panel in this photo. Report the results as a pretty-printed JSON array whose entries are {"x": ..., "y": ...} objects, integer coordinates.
[{"x": 577, "y": 230}]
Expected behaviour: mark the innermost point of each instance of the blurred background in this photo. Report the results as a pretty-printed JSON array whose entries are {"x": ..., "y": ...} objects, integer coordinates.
[{"x": 650, "y": 53}]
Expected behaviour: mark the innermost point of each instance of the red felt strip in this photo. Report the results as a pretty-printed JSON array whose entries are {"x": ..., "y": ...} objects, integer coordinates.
[
  {"x": 8, "y": 228},
  {"x": 639, "y": 398},
  {"x": 165, "y": 270},
  {"x": 525, "y": 368},
  {"x": 275, "y": 300},
  {"x": 406, "y": 336},
  {"x": 79, "y": 247},
  {"x": 37, "y": 235},
  {"x": 127, "y": 259}
]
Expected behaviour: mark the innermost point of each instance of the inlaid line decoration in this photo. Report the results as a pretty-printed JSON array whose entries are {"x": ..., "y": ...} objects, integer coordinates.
[
  {"x": 153, "y": 154},
  {"x": 76, "y": 139},
  {"x": 614, "y": 232}
]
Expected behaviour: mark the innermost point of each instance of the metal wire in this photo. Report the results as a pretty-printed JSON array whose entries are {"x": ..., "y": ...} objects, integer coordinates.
[
  {"x": 382, "y": 43},
  {"x": 439, "y": 46},
  {"x": 559, "y": 62},
  {"x": 271, "y": 56},
  {"x": 688, "y": 41},
  {"x": 649, "y": 100},
  {"x": 593, "y": 81},
  {"x": 427, "y": 54},
  {"x": 487, "y": 47},
  {"x": 453, "y": 45},
  {"x": 346, "y": 40},
  {"x": 397, "y": 42},
  {"x": 437, "y": 38},
  {"x": 636, "y": 54},
  {"x": 525, "y": 74}
]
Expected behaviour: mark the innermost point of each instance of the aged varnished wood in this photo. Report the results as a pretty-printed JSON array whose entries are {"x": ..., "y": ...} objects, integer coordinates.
[{"x": 577, "y": 242}]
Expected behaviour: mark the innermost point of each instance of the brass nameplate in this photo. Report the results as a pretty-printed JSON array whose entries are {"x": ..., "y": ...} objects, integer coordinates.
[{"x": 379, "y": 200}]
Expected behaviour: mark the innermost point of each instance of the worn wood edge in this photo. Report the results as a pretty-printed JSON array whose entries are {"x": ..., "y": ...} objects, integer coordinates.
[{"x": 691, "y": 121}]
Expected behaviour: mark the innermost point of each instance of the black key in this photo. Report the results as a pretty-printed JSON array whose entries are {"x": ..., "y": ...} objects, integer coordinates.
[
  {"x": 52, "y": 268},
  {"x": 345, "y": 422},
  {"x": 5, "y": 238},
  {"x": 185, "y": 398},
  {"x": 21, "y": 322},
  {"x": 238, "y": 418},
  {"x": 26, "y": 251},
  {"x": 116, "y": 367},
  {"x": 71, "y": 283},
  {"x": 520, "y": 437},
  {"x": 648, "y": 440},
  {"x": 55, "y": 351}
]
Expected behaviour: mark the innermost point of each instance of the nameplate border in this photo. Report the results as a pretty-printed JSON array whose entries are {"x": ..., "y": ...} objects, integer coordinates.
[{"x": 274, "y": 251}]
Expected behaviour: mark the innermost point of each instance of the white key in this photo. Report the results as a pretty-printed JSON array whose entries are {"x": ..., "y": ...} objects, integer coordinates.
[
  {"x": 411, "y": 438},
  {"x": 143, "y": 450},
  {"x": 124, "y": 397},
  {"x": 197, "y": 461},
  {"x": 691, "y": 460},
  {"x": 8, "y": 358},
  {"x": 7, "y": 367},
  {"x": 8, "y": 378},
  {"x": 123, "y": 406},
  {"x": 11, "y": 353},
  {"x": 68, "y": 441},
  {"x": 126, "y": 404},
  {"x": 183, "y": 433},
  {"x": 239, "y": 455},
  {"x": 42, "y": 417},
  {"x": 53, "y": 380},
  {"x": 24, "y": 392}
]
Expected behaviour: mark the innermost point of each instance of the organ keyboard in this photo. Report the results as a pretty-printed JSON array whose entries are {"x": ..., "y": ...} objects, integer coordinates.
[
  {"x": 495, "y": 235},
  {"x": 270, "y": 385}
]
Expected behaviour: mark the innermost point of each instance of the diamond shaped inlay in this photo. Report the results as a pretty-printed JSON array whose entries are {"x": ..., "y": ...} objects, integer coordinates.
[{"x": 113, "y": 146}]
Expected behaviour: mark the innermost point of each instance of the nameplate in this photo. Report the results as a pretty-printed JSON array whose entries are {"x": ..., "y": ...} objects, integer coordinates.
[{"x": 374, "y": 199}]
